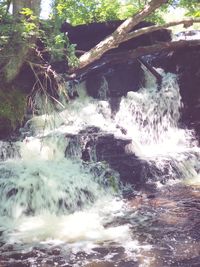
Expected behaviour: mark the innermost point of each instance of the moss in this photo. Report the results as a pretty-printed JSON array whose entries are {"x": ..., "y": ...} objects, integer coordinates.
[
  {"x": 113, "y": 183},
  {"x": 12, "y": 108}
]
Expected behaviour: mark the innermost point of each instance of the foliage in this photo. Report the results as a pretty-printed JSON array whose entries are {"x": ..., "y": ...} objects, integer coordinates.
[
  {"x": 20, "y": 30},
  {"x": 131, "y": 7},
  {"x": 57, "y": 44},
  {"x": 29, "y": 23},
  {"x": 4, "y": 6},
  {"x": 192, "y": 7},
  {"x": 86, "y": 11}
]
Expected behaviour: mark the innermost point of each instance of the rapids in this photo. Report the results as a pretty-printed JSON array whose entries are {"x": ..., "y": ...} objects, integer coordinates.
[{"x": 56, "y": 210}]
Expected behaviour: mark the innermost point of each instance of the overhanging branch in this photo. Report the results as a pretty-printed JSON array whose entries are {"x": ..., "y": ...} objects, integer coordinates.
[
  {"x": 119, "y": 34},
  {"x": 186, "y": 22}
]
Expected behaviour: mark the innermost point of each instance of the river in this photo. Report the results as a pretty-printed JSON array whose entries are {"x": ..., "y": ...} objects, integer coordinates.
[{"x": 58, "y": 210}]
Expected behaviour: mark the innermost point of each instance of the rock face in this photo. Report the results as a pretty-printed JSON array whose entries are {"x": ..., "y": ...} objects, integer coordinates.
[
  {"x": 185, "y": 63},
  {"x": 97, "y": 146},
  {"x": 112, "y": 80}
]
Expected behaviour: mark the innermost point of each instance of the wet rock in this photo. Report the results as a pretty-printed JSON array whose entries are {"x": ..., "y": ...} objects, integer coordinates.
[
  {"x": 103, "y": 79},
  {"x": 93, "y": 145},
  {"x": 193, "y": 262},
  {"x": 114, "y": 80},
  {"x": 54, "y": 251},
  {"x": 131, "y": 263},
  {"x": 97, "y": 146}
]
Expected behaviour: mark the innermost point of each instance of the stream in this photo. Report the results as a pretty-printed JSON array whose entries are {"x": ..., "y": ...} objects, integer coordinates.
[{"x": 62, "y": 207}]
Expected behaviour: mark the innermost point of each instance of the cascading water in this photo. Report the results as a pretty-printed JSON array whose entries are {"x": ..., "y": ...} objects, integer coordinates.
[
  {"x": 52, "y": 203},
  {"x": 152, "y": 122}
]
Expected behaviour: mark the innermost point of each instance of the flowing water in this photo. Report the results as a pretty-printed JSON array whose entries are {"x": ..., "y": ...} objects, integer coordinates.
[{"x": 56, "y": 210}]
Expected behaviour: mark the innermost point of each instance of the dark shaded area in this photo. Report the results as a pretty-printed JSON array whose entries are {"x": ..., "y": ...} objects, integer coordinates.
[
  {"x": 114, "y": 80},
  {"x": 87, "y": 36},
  {"x": 105, "y": 80},
  {"x": 5, "y": 128}
]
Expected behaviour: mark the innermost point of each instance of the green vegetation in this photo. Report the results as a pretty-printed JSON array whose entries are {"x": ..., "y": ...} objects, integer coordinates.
[
  {"x": 192, "y": 7},
  {"x": 87, "y": 11}
]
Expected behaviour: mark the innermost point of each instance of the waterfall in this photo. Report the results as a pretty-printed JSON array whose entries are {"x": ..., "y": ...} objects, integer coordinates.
[
  {"x": 48, "y": 193},
  {"x": 151, "y": 119}
]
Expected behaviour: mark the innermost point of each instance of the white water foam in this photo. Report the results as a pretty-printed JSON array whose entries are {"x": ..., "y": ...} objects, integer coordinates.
[
  {"x": 151, "y": 119},
  {"x": 40, "y": 192},
  {"x": 47, "y": 198}
]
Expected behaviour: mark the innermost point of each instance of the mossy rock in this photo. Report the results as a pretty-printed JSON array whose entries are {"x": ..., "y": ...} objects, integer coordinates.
[{"x": 12, "y": 109}]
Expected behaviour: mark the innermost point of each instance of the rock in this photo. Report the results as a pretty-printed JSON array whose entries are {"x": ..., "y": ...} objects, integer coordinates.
[
  {"x": 96, "y": 146},
  {"x": 105, "y": 80},
  {"x": 114, "y": 80},
  {"x": 93, "y": 145}
]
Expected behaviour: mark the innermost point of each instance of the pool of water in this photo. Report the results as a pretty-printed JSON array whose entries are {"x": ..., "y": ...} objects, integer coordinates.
[{"x": 164, "y": 230}]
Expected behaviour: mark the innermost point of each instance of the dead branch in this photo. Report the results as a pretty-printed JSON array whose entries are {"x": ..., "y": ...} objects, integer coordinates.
[
  {"x": 119, "y": 34},
  {"x": 186, "y": 22}
]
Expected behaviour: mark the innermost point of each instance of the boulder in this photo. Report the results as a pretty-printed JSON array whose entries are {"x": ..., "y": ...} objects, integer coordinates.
[
  {"x": 114, "y": 80},
  {"x": 97, "y": 146}
]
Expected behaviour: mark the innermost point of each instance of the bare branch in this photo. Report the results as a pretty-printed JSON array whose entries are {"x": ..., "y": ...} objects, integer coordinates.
[
  {"x": 118, "y": 35},
  {"x": 186, "y": 22}
]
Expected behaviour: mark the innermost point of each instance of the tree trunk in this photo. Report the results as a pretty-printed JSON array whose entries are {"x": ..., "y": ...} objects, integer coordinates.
[
  {"x": 17, "y": 6},
  {"x": 186, "y": 22},
  {"x": 16, "y": 57},
  {"x": 18, "y": 49},
  {"x": 34, "y": 5},
  {"x": 147, "y": 50}
]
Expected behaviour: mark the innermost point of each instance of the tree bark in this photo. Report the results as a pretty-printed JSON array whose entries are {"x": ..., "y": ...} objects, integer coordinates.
[
  {"x": 119, "y": 34},
  {"x": 18, "y": 49},
  {"x": 17, "y": 6},
  {"x": 16, "y": 57},
  {"x": 34, "y": 5}
]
